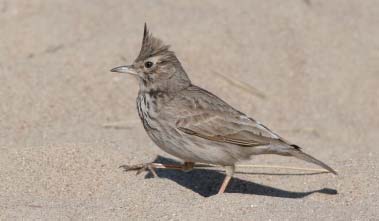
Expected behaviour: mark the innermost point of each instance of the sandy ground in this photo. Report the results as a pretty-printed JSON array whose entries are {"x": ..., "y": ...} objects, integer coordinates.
[{"x": 67, "y": 123}]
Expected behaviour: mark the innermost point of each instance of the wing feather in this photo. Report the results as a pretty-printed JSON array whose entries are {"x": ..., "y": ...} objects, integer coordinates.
[
  {"x": 198, "y": 112},
  {"x": 227, "y": 128}
]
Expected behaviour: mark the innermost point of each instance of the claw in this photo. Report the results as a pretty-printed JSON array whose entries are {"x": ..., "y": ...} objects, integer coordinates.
[
  {"x": 140, "y": 168},
  {"x": 130, "y": 167}
]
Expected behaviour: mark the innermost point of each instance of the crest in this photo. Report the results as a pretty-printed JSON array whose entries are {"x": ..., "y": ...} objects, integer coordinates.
[{"x": 151, "y": 46}]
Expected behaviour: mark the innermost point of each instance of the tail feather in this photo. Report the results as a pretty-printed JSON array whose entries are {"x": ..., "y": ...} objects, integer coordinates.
[{"x": 306, "y": 157}]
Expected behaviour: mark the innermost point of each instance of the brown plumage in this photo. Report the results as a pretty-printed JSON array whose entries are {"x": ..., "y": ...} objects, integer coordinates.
[{"x": 193, "y": 124}]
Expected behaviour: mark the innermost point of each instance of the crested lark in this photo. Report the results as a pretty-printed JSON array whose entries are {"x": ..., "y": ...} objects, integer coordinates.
[{"x": 193, "y": 124}]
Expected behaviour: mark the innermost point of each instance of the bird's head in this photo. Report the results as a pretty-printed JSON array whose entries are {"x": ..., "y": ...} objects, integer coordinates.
[{"x": 156, "y": 67}]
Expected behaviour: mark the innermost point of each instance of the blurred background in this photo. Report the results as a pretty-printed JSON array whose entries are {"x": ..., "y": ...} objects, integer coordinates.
[{"x": 308, "y": 69}]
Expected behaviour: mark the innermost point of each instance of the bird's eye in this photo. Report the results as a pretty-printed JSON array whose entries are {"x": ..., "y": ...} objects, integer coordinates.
[{"x": 148, "y": 64}]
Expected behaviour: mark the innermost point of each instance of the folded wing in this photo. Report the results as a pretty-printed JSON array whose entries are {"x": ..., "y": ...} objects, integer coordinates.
[{"x": 228, "y": 128}]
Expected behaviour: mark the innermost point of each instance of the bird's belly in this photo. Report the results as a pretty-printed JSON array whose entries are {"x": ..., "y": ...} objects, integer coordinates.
[{"x": 196, "y": 149}]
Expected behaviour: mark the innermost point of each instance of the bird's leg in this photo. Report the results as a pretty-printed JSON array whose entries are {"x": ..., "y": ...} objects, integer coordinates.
[
  {"x": 229, "y": 170},
  {"x": 152, "y": 166}
]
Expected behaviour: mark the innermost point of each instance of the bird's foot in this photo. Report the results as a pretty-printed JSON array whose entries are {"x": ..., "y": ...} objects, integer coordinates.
[
  {"x": 187, "y": 166},
  {"x": 141, "y": 168}
]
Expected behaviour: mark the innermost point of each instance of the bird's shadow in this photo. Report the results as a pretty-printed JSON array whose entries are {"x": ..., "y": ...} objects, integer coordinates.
[{"x": 207, "y": 182}]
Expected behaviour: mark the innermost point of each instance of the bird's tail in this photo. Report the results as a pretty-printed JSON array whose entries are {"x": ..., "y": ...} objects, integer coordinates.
[{"x": 296, "y": 152}]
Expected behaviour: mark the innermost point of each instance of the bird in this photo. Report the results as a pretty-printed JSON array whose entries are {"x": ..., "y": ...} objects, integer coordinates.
[{"x": 193, "y": 124}]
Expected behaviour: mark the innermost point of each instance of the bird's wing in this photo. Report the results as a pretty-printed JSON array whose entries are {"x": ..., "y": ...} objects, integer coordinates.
[
  {"x": 198, "y": 112},
  {"x": 228, "y": 128}
]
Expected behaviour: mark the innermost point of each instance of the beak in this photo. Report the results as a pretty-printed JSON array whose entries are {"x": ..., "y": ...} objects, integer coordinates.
[{"x": 127, "y": 69}]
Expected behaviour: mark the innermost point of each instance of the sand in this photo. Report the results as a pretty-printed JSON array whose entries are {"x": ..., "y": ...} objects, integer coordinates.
[{"x": 309, "y": 69}]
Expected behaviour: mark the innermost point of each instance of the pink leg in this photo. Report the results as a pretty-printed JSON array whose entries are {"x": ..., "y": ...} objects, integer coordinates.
[
  {"x": 224, "y": 184},
  {"x": 229, "y": 174}
]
